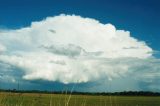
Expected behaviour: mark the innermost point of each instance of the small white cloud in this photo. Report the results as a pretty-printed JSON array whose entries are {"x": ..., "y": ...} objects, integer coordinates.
[{"x": 2, "y": 48}]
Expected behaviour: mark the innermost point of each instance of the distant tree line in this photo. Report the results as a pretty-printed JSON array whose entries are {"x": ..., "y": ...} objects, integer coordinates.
[{"x": 124, "y": 93}]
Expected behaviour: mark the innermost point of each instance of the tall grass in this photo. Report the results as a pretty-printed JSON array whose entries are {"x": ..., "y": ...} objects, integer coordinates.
[{"x": 36, "y": 99}]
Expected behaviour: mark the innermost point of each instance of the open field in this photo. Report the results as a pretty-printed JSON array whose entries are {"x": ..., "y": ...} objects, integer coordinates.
[{"x": 37, "y": 99}]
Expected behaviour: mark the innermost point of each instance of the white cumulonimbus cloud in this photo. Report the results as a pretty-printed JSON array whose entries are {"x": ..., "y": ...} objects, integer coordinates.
[{"x": 70, "y": 49}]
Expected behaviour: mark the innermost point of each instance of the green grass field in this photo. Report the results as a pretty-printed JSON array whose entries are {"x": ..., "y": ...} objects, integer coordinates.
[{"x": 36, "y": 99}]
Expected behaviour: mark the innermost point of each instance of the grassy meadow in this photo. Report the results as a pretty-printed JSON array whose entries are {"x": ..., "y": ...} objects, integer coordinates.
[{"x": 38, "y": 99}]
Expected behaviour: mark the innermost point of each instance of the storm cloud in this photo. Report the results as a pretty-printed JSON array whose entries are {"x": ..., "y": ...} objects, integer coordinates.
[{"x": 74, "y": 49}]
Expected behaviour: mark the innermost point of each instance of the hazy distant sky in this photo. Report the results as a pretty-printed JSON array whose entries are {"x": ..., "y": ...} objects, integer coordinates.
[{"x": 47, "y": 44}]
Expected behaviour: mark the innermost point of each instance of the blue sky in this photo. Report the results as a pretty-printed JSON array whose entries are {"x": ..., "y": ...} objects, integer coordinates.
[{"x": 139, "y": 17}]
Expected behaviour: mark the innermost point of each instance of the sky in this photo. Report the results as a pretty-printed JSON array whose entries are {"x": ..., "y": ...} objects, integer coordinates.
[{"x": 94, "y": 45}]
